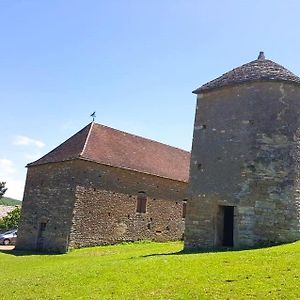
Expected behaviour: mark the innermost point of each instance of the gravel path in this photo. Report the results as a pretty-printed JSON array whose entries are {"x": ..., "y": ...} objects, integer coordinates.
[{"x": 6, "y": 247}]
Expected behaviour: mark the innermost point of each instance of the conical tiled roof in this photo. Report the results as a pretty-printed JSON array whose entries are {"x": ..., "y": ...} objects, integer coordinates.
[
  {"x": 108, "y": 146},
  {"x": 260, "y": 69}
]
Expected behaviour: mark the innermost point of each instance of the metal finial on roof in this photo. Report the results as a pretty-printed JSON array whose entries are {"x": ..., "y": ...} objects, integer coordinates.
[
  {"x": 261, "y": 55},
  {"x": 93, "y": 115}
]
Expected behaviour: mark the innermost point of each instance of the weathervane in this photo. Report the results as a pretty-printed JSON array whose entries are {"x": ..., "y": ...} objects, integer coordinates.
[{"x": 93, "y": 115}]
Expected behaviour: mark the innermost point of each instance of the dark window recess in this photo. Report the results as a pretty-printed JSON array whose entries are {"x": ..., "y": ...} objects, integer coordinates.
[
  {"x": 252, "y": 168},
  {"x": 203, "y": 126},
  {"x": 42, "y": 227},
  {"x": 199, "y": 166},
  {"x": 183, "y": 208},
  {"x": 141, "y": 202}
]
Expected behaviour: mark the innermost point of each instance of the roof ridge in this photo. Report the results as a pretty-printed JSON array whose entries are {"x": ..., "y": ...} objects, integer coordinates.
[
  {"x": 86, "y": 140},
  {"x": 75, "y": 153}
]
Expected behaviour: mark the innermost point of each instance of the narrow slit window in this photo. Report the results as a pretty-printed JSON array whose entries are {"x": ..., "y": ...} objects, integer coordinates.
[{"x": 141, "y": 202}]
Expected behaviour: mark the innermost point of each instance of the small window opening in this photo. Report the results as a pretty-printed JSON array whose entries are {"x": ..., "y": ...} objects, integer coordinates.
[
  {"x": 203, "y": 126},
  {"x": 199, "y": 166},
  {"x": 141, "y": 202},
  {"x": 43, "y": 227}
]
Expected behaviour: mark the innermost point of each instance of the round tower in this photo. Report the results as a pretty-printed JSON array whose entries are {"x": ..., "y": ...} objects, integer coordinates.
[{"x": 245, "y": 164}]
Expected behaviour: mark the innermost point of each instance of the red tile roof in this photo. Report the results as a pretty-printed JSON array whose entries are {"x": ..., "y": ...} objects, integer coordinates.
[{"x": 115, "y": 148}]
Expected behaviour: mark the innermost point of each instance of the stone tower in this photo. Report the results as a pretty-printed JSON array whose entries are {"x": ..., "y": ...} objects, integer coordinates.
[{"x": 245, "y": 165}]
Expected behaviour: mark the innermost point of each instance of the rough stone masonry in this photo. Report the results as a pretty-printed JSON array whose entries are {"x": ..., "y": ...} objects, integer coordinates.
[
  {"x": 104, "y": 186},
  {"x": 245, "y": 164}
]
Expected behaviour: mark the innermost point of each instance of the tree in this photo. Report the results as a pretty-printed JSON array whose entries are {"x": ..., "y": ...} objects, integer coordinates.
[
  {"x": 3, "y": 189},
  {"x": 11, "y": 221}
]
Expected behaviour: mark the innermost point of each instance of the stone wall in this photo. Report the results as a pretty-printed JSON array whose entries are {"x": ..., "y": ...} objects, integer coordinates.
[
  {"x": 48, "y": 198},
  {"x": 106, "y": 203},
  {"x": 246, "y": 155},
  {"x": 80, "y": 203}
]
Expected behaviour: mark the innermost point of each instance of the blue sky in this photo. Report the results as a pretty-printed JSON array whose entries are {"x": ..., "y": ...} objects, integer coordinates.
[{"x": 134, "y": 62}]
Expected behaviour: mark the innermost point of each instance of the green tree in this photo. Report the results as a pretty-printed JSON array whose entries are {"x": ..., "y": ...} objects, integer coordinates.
[
  {"x": 11, "y": 221},
  {"x": 3, "y": 189}
]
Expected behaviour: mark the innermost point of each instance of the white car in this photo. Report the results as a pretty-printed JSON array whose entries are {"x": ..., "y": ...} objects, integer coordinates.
[{"x": 9, "y": 237}]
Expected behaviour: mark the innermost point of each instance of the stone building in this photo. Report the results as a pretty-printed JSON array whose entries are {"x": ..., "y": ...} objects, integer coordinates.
[
  {"x": 104, "y": 186},
  {"x": 245, "y": 163}
]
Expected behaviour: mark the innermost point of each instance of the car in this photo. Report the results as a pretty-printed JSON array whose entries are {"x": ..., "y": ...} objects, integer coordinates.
[{"x": 8, "y": 237}]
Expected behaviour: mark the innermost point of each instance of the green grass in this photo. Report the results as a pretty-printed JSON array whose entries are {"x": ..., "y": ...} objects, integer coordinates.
[
  {"x": 9, "y": 201},
  {"x": 153, "y": 271}
]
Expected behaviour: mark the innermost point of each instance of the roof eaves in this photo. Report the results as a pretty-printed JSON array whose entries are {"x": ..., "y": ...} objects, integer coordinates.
[
  {"x": 131, "y": 169},
  {"x": 204, "y": 89}
]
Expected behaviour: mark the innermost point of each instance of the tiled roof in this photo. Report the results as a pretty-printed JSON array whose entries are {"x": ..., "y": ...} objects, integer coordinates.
[
  {"x": 260, "y": 69},
  {"x": 115, "y": 148}
]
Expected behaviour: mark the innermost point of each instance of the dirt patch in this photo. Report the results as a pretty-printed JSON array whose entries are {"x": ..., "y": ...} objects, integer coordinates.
[{"x": 7, "y": 247}]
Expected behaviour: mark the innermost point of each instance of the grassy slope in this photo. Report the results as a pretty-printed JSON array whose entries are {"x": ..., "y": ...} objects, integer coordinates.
[
  {"x": 153, "y": 271},
  {"x": 9, "y": 201}
]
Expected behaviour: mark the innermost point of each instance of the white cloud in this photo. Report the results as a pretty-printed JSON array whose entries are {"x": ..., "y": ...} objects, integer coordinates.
[
  {"x": 14, "y": 182},
  {"x": 15, "y": 188},
  {"x": 6, "y": 167},
  {"x": 22, "y": 140}
]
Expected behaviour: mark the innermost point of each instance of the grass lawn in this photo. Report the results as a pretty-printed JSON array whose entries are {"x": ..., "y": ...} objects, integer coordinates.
[{"x": 152, "y": 271}]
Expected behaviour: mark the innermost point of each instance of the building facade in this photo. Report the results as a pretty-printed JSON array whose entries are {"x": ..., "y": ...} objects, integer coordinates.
[
  {"x": 104, "y": 186},
  {"x": 245, "y": 161}
]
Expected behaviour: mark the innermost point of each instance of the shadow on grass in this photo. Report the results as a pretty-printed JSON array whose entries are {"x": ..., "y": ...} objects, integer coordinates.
[
  {"x": 193, "y": 251},
  {"x": 14, "y": 252},
  {"x": 212, "y": 250}
]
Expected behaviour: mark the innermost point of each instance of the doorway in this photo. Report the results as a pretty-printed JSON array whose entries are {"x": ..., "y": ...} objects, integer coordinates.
[
  {"x": 225, "y": 226},
  {"x": 41, "y": 237}
]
